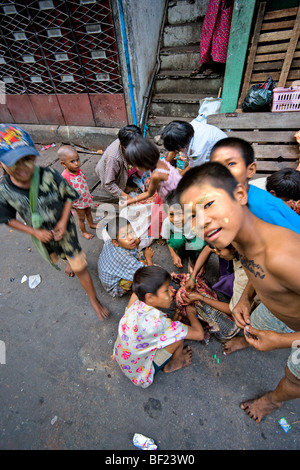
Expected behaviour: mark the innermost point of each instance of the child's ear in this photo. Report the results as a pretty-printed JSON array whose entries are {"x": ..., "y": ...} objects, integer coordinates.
[
  {"x": 273, "y": 192},
  {"x": 251, "y": 170},
  {"x": 241, "y": 194},
  {"x": 62, "y": 163},
  {"x": 149, "y": 298},
  {"x": 115, "y": 242}
]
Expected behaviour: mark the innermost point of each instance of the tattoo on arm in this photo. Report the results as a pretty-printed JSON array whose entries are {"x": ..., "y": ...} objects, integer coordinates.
[{"x": 254, "y": 268}]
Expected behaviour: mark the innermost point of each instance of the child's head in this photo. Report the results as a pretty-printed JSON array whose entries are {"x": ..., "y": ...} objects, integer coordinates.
[
  {"x": 69, "y": 158},
  {"x": 122, "y": 234},
  {"x": 177, "y": 135},
  {"x": 284, "y": 184},
  {"x": 228, "y": 253},
  {"x": 142, "y": 154},
  {"x": 17, "y": 153},
  {"x": 175, "y": 212},
  {"x": 214, "y": 201},
  {"x": 237, "y": 155},
  {"x": 151, "y": 284},
  {"x": 127, "y": 134}
]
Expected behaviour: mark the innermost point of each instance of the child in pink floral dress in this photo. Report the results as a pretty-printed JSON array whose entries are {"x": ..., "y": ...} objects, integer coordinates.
[
  {"x": 69, "y": 158},
  {"x": 149, "y": 341}
]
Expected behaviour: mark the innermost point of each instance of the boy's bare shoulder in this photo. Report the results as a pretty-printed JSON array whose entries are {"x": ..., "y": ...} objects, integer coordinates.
[{"x": 282, "y": 252}]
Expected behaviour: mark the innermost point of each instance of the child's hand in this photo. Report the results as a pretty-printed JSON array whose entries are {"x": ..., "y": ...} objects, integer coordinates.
[
  {"x": 177, "y": 261},
  {"x": 149, "y": 252},
  {"x": 59, "y": 230},
  {"x": 193, "y": 297},
  {"x": 43, "y": 235},
  {"x": 189, "y": 285}
]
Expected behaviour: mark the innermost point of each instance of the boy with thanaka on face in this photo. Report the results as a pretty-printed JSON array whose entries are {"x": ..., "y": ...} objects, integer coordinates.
[{"x": 269, "y": 255}]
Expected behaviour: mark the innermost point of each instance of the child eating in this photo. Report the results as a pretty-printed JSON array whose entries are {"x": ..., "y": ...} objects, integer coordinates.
[{"x": 149, "y": 341}]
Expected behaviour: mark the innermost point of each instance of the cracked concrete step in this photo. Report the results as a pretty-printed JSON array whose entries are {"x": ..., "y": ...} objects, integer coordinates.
[
  {"x": 179, "y": 58},
  {"x": 176, "y": 81},
  {"x": 173, "y": 104}
]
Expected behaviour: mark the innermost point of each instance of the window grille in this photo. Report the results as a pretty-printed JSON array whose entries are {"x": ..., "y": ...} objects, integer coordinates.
[{"x": 62, "y": 47}]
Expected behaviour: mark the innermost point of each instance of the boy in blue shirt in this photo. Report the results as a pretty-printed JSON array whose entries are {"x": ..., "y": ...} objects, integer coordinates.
[{"x": 238, "y": 156}]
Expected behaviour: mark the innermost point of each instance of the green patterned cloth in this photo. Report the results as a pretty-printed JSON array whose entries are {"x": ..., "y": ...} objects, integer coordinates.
[{"x": 53, "y": 192}]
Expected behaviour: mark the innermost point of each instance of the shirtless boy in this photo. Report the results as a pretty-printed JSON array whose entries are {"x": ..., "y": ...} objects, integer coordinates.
[{"x": 270, "y": 258}]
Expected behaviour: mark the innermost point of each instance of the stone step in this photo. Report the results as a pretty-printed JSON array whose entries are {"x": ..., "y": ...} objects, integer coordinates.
[
  {"x": 182, "y": 34},
  {"x": 181, "y": 11},
  {"x": 179, "y": 58},
  {"x": 173, "y": 104},
  {"x": 175, "y": 81}
]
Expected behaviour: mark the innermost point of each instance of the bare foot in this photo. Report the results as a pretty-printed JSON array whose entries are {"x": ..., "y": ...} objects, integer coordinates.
[
  {"x": 234, "y": 344},
  {"x": 259, "y": 408},
  {"x": 69, "y": 271},
  {"x": 161, "y": 241},
  {"x": 87, "y": 235},
  {"x": 94, "y": 226},
  {"x": 101, "y": 311},
  {"x": 179, "y": 361}
]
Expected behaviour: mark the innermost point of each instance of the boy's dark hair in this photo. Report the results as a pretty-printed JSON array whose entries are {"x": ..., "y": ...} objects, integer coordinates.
[
  {"x": 177, "y": 135},
  {"x": 128, "y": 133},
  {"x": 218, "y": 176},
  {"x": 244, "y": 148},
  {"x": 143, "y": 153},
  {"x": 148, "y": 279},
  {"x": 285, "y": 183},
  {"x": 172, "y": 198},
  {"x": 114, "y": 225}
]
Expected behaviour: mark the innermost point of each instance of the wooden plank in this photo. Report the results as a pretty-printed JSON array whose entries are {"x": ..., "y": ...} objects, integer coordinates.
[
  {"x": 276, "y": 65},
  {"x": 273, "y": 152},
  {"x": 252, "y": 53},
  {"x": 263, "y": 136},
  {"x": 258, "y": 77},
  {"x": 284, "y": 120},
  {"x": 274, "y": 57},
  {"x": 272, "y": 166},
  {"x": 276, "y": 36},
  {"x": 274, "y": 47},
  {"x": 272, "y": 15},
  {"x": 277, "y": 25},
  {"x": 290, "y": 51}
]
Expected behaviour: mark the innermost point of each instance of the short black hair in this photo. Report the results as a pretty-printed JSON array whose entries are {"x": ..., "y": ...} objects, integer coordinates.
[
  {"x": 128, "y": 133},
  {"x": 218, "y": 176},
  {"x": 177, "y": 135},
  {"x": 143, "y": 153},
  {"x": 148, "y": 279},
  {"x": 114, "y": 225},
  {"x": 285, "y": 183},
  {"x": 242, "y": 146}
]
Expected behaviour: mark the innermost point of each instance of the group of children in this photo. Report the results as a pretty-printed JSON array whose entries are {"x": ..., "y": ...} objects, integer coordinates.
[{"x": 238, "y": 221}]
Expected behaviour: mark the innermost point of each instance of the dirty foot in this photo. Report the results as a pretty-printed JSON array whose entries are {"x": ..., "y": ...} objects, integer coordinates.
[
  {"x": 101, "y": 311},
  {"x": 234, "y": 344},
  {"x": 257, "y": 409},
  {"x": 68, "y": 271},
  {"x": 87, "y": 235},
  {"x": 179, "y": 361}
]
